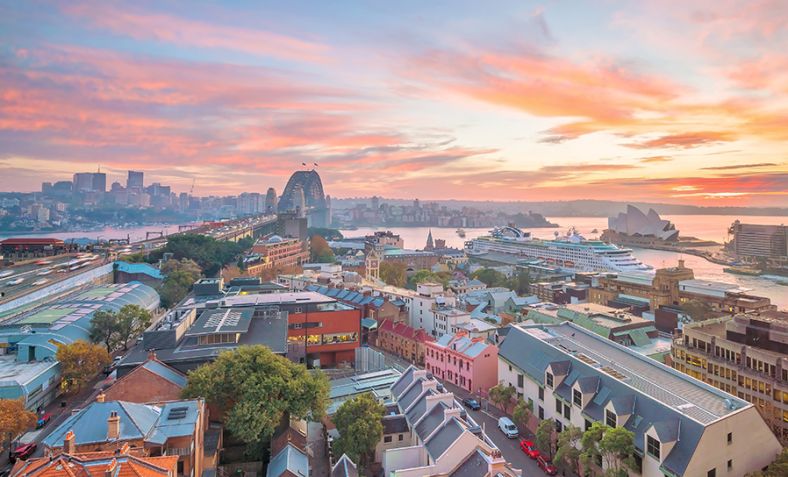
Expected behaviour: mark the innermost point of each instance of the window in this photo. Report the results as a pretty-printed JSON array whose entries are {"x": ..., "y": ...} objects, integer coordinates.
[
  {"x": 730, "y": 465},
  {"x": 548, "y": 380},
  {"x": 558, "y": 406},
  {"x": 541, "y": 394},
  {"x": 567, "y": 411},
  {"x": 588, "y": 424},
  {"x": 401, "y": 436},
  {"x": 541, "y": 412},
  {"x": 610, "y": 418},
  {"x": 510, "y": 367},
  {"x": 386, "y": 438},
  {"x": 558, "y": 426},
  {"x": 519, "y": 380},
  {"x": 712, "y": 473},
  {"x": 652, "y": 447},
  {"x": 577, "y": 398},
  {"x": 730, "y": 438}
]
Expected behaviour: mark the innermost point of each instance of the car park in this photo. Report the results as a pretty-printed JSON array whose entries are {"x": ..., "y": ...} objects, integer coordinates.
[{"x": 529, "y": 448}]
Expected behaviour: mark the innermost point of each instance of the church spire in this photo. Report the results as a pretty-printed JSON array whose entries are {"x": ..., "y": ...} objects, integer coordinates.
[{"x": 430, "y": 244}]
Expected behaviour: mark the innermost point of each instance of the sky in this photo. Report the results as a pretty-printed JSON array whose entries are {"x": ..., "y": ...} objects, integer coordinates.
[{"x": 656, "y": 100}]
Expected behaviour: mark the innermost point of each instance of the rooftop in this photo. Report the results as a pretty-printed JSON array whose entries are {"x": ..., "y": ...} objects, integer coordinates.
[
  {"x": 221, "y": 320},
  {"x": 15, "y": 373},
  {"x": 290, "y": 298},
  {"x": 680, "y": 392}
]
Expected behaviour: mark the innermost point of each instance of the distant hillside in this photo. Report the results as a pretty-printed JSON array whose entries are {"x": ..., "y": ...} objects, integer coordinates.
[{"x": 579, "y": 208}]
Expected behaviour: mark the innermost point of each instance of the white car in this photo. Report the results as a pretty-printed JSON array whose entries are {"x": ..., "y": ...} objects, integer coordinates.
[{"x": 508, "y": 428}]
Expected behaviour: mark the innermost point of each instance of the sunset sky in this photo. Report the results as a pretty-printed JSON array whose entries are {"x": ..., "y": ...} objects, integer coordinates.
[{"x": 649, "y": 100}]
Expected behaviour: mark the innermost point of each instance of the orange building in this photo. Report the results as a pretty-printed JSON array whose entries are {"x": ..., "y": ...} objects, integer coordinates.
[
  {"x": 277, "y": 252},
  {"x": 126, "y": 461}
]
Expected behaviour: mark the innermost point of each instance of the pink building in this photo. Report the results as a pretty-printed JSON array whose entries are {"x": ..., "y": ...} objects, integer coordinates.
[{"x": 471, "y": 364}]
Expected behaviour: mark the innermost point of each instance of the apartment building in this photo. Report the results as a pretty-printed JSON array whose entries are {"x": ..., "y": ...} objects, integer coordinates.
[
  {"x": 757, "y": 242},
  {"x": 745, "y": 355},
  {"x": 681, "y": 426},
  {"x": 428, "y": 298},
  {"x": 470, "y": 363},
  {"x": 403, "y": 341},
  {"x": 443, "y": 439}
]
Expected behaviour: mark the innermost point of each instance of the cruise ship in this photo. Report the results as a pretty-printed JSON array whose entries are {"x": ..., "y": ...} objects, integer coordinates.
[{"x": 571, "y": 252}]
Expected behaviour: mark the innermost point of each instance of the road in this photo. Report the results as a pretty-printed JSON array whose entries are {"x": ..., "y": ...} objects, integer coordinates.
[{"x": 30, "y": 273}]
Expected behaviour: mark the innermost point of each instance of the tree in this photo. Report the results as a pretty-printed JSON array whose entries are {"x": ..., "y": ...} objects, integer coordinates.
[
  {"x": 210, "y": 254},
  {"x": 326, "y": 233},
  {"x": 180, "y": 276},
  {"x": 394, "y": 273},
  {"x": 617, "y": 447},
  {"x": 544, "y": 437},
  {"x": 104, "y": 329},
  {"x": 80, "y": 361},
  {"x": 698, "y": 310},
  {"x": 320, "y": 252},
  {"x": 591, "y": 455},
  {"x": 502, "y": 395},
  {"x": 425, "y": 275},
  {"x": 131, "y": 321},
  {"x": 567, "y": 454},
  {"x": 521, "y": 283},
  {"x": 522, "y": 413},
  {"x": 778, "y": 468},
  {"x": 253, "y": 388},
  {"x": 14, "y": 419},
  {"x": 491, "y": 277},
  {"x": 360, "y": 426}
]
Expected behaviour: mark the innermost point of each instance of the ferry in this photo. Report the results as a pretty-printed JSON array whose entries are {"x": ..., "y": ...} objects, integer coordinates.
[
  {"x": 6, "y": 273},
  {"x": 15, "y": 281},
  {"x": 571, "y": 252},
  {"x": 461, "y": 232}
]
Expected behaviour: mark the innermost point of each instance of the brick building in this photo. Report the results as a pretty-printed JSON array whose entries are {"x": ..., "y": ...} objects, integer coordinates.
[
  {"x": 470, "y": 363},
  {"x": 403, "y": 340},
  {"x": 126, "y": 461},
  {"x": 150, "y": 382}
]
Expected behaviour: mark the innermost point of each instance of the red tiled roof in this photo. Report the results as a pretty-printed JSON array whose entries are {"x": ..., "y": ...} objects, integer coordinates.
[
  {"x": 386, "y": 325},
  {"x": 31, "y": 241}
]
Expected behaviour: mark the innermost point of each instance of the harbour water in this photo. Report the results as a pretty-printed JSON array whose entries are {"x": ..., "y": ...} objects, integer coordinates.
[{"x": 706, "y": 227}]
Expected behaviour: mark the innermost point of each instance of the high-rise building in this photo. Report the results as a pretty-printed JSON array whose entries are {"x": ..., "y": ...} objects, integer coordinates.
[
  {"x": 90, "y": 182},
  {"x": 99, "y": 182},
  {"x": 250, "y": 203},
  {"x": 135, "y": 180},
  {"x": 747, "y": 356},
  {"x": 754, "y": 242},
  {"x": 270, "y": 201}
]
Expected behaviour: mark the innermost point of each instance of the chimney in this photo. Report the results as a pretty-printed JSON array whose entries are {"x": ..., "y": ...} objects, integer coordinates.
[
  {"x": 681, "y": 263},
  {"x": 151, "y": 354},
  {"x": 113, "y": 425},
  {"x": 111, "y": 467},
  {"x": 101, "y": 397},
  {"x": 69, "y": 444}
]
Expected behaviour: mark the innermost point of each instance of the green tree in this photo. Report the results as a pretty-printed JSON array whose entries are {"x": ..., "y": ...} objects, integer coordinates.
[
  {"x": 521, "y": 283},
  {"x": 491, "y": 277},
  {"x": 567, "y": 454},
  {"x": 544, "y": 437},
  {"x": 394, "y": 273},
  {"x": 210, "y": 254},
  {"x": 180, "y": 275},
  {"x": 326, "y": 233},
  {"x": 778, "y": 468},
  {"x": 254, "y": 389},
  {"x": 425, "y": 275},
  {"x": 80, "y": 361},
  {"x": 522, "y": 413},
  {"x": 360, "y": 426},
  {"x": 320, "y": 252},
  {"x": 501, "y": 395},
  {"x": 591, "y": 455},
  {"x": 104, "y": 329},
  {"x": 14, "y": 419},
  {"x": 131, "y": 321},
  {"x": 618, "y": 447}
]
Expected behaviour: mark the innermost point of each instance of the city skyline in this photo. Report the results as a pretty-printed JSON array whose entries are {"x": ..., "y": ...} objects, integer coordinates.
[{"x": 527, "y": 101}]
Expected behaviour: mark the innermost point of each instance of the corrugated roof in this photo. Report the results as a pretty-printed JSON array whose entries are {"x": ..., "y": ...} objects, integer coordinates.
[{"x": 160, "y": 369}]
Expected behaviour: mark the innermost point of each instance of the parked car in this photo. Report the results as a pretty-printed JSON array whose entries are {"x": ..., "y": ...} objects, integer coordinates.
[
  {"x": 471, "y": 404},
  {"x": 23, "y": 451},
  {"x": 508, "y": 428},
  {"x": 43, "y": 420},
  {"x": 529, "y": 448},
  {"x": 546, "y": 465}
]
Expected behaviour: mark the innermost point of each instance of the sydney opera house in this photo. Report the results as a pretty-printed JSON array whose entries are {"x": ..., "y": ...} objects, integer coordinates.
[{"x": 633, "y": 227}]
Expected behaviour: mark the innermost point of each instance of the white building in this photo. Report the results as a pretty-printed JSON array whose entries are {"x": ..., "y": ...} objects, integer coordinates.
[
  {"x": 682, "y": 426},
  {"x": 428, "y": 298},
  {"x": 449, "y": 319}
]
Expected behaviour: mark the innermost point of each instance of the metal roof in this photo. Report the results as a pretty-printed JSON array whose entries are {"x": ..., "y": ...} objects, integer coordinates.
[{"x": 291, "y": 459}]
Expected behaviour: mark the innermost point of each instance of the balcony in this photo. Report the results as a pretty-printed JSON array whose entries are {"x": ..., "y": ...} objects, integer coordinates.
[{"x": 179, "y": 451}]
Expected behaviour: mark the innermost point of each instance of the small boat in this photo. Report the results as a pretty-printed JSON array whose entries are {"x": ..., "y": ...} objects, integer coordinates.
[
  {"x": 6, "y": 273},
  {"x": 15, "y": 281},
  {"x": 595, "y": 231},
  {"x": 461, "y": 232},
  {"x": 40, "y": 282}
]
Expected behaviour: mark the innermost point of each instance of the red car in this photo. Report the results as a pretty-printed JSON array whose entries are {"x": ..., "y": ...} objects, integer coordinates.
[
  {"x": 24, "y": 451},
  {"x": 546, "y": 465},
  {"x": 529, "y": 448}
]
